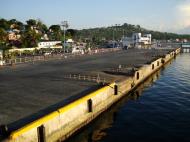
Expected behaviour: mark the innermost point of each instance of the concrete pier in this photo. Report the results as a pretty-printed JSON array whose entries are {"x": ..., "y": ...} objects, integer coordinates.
[{"x": 42, "y": 83}]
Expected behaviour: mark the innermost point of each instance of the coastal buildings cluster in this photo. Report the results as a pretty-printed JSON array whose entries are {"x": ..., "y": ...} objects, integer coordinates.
[{"x": 137, "y": 40}]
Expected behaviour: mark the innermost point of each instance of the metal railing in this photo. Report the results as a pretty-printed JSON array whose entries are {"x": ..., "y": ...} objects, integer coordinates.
[
  {"x": 91, "y": 78},
  {"x": 32, "y": 59}
]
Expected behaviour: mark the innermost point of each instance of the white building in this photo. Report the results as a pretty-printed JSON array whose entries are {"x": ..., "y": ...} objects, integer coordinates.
[
  {"x": 50, "y": 44},
  {"x": 137, "y": 40}
]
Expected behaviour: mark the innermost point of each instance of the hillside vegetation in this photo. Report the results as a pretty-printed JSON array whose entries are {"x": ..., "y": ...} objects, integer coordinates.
[{"x": 116, "y": 32}]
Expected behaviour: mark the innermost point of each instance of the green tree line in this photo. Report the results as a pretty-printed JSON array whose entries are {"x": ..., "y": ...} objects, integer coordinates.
[{"x": 117, "y": 31}]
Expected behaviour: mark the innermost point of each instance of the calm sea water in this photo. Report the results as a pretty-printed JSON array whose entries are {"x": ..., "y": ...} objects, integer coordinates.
[{"x": 158, "y": 111}]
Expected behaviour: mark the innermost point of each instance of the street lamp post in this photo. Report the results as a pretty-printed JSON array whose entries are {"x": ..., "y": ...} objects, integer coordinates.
[
  {"x": 113, "y": 37},
  {"x": 123, "y": 33},
  {"x": 65, "y": 26}
]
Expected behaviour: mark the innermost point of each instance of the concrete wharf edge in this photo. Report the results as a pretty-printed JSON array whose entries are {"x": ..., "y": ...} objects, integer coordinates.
[{"x": 62, "y": 123}]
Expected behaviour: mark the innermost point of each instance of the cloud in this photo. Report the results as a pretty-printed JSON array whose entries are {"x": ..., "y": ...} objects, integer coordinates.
[{"x": 184, "y": 14}]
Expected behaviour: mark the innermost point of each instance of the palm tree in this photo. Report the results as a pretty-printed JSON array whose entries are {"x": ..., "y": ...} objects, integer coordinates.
[
  {"x": 55, "y": 32},
  {"x": 30, "y": 38}
]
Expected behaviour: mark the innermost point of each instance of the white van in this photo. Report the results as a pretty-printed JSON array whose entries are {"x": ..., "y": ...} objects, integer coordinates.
[{"x": 77, "y": 50}]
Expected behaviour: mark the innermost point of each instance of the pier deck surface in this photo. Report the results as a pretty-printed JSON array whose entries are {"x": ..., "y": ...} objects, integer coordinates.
[{"x": 29, "y": 88}]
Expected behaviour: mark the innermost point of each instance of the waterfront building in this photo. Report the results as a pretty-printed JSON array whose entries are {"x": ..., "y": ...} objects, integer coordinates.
[
  {"x": 137, "y": 40},
  {"x": 50, "y": 44}
]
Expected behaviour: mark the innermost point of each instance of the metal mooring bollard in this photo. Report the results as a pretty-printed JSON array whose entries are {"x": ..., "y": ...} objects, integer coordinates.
[
  {"x": 162, "y": 61},
  {"x": 115, "y": 90},
  {"x": 89, "y": 104}
]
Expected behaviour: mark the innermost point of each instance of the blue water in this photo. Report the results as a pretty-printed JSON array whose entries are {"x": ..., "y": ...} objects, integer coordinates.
[{"x": 158, "y": 111}]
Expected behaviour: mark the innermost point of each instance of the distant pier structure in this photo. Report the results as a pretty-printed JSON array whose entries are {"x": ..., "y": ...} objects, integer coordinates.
[{"x": 185, "y": 47}]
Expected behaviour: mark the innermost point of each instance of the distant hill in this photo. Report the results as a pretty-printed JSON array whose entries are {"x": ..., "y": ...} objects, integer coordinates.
[
  {"x": 118, "y": 31},
  {"x": 185, "y": 30}
]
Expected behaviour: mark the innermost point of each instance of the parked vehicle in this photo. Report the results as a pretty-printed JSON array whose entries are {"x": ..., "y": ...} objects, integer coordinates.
[
  {"x": 77, "y": 50},
  {"x": 47, "y": 53}
]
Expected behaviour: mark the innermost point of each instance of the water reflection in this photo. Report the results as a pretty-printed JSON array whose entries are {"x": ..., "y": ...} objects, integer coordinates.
[{"x": 96, "y": 130}]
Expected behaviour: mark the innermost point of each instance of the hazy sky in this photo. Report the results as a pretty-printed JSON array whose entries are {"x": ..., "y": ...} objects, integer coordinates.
[{"x": 163, "y": 15}]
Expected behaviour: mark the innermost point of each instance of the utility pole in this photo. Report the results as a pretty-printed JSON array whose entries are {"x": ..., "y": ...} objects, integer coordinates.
[
  {"x": 65, "y": 25},
  {"x": 113, "y": 37},
  {"x": 123, "y": 33}
]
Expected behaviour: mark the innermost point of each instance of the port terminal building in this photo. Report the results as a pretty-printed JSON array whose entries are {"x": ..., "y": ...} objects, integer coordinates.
[{"x": 137, "y": 40}]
